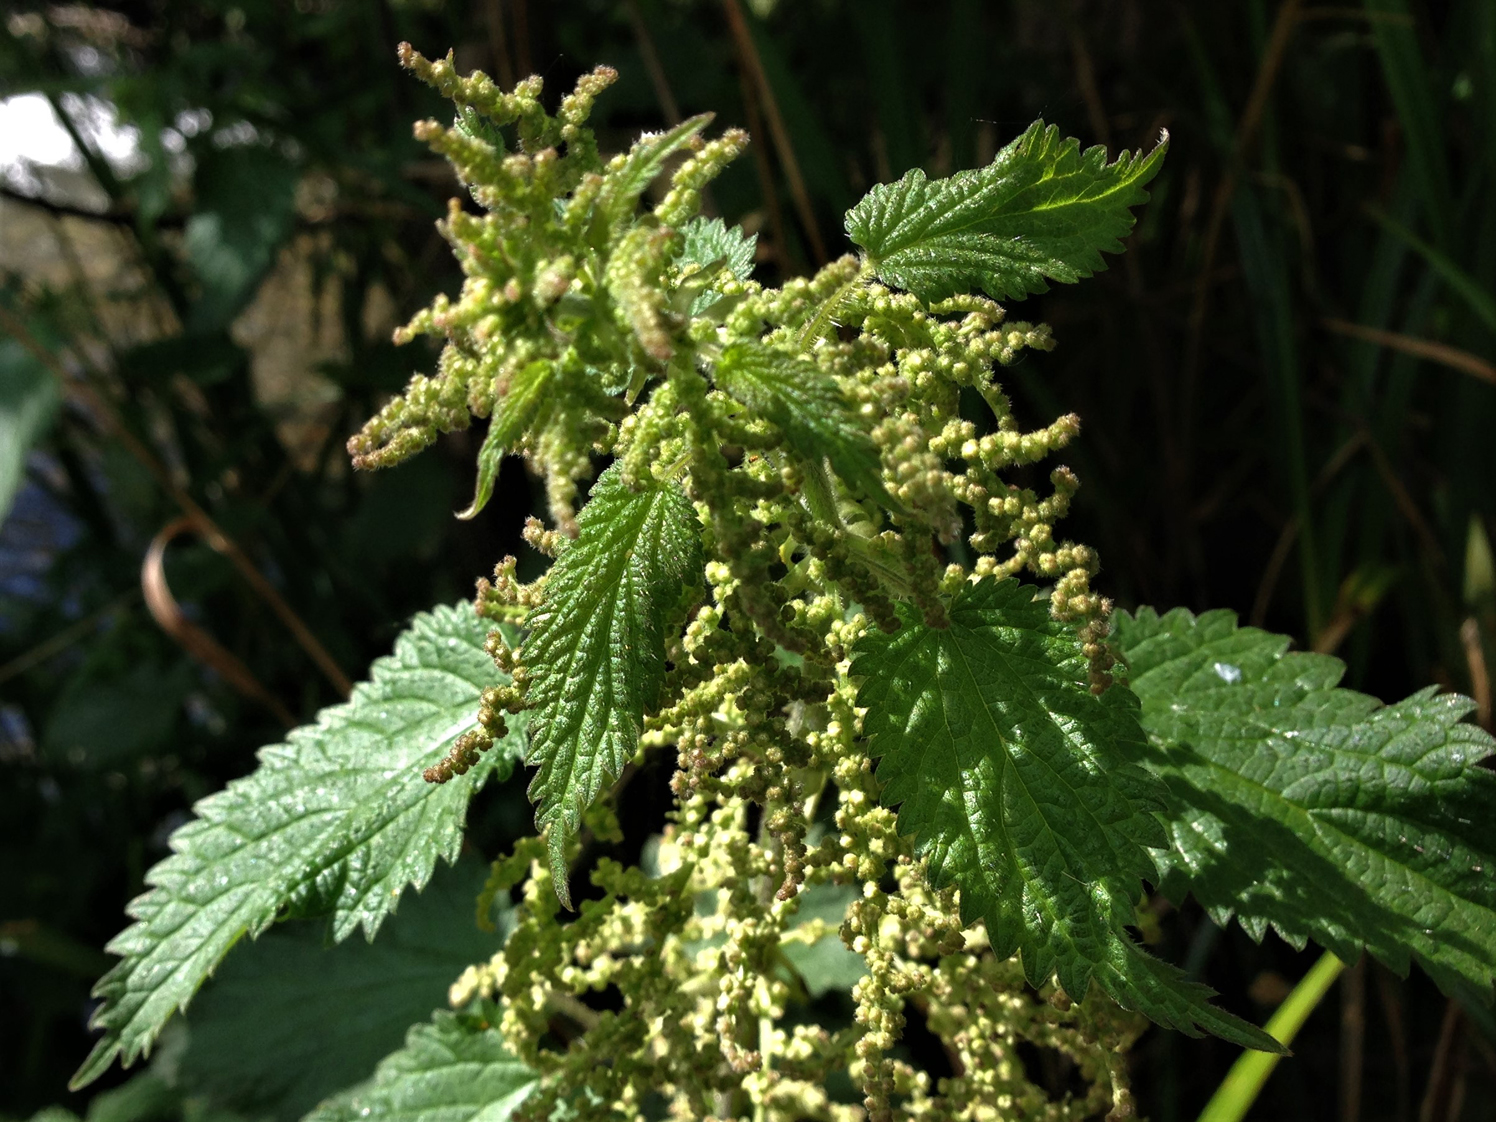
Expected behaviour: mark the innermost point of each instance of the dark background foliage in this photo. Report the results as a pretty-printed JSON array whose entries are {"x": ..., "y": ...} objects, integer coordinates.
[{"x": 1286, "y": 384}]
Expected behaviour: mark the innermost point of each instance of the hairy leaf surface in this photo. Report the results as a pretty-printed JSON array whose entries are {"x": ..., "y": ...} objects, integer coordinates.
[
  {"x": 514, "y": 412},
  {"x": 1022, "y": 789},
  {"x": 1043, "y": 209},
  {"x": 711, "y": 246},
  {"x": 628, "y": 176},
  {"x": 336, "y": 821},
  {"x": 455, "y": 1069},
  {"x": 1317, "y": 810},
  {"x": 596, "y": 647},
  {"x": 807, "y": 406},
  {"x": 709, "y": 241}
]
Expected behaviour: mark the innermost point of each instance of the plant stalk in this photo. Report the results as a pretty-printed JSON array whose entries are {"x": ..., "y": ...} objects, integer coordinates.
[{"x": 1244, "y": 1082}]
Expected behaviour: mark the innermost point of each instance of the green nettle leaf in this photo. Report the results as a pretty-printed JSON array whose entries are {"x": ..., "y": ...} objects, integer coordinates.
[
  {"x": 628, "y": 176},
  {"x": 455, "y": 1069},
  {"x": 1041, "y": 209},
  {"x": 336, "y": 821},
  {"x": 1022, "y": 789},
  {"x": 513, "y": 414},
  {"x": 807, "y": 406},
  {"x": 712, "y": 246},
  {"x": 1316, "y": 810},
  {"x": 596, "y": 646},
  {"x": 709, "y": 241}
]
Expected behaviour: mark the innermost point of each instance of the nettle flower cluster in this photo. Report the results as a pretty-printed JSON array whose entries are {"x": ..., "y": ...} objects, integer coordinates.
[{"x": 791, "y": 468}]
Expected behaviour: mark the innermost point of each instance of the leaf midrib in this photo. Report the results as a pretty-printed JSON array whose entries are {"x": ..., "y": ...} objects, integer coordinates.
[
  {"x": 1010, "y": 769},
  {"x": 966, "y": 228}
]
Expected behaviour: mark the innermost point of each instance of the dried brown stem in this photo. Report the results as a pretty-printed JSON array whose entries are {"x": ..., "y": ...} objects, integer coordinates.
[
  {"x": 1442, "y": 353},
  {"x": 193, "y": 639},
  {"x": 748, "y": 58}
]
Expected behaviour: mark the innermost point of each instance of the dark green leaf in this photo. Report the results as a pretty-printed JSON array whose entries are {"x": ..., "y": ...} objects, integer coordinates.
[
  {"x": 336, "y": 820},
  {"x": 596, "y": 647},
  {"x": 258, "y": 1037},
  {"x": 455, "y": 1069},
  {"x": 807, "y": 406},
  {"x": 245, "y": 209},
  {"x": 1021, "y": 789},
  {"x": 1041, "y": 209},
  {"x": 1316, "y": 810},
  {"x": 711, "y": 246}
]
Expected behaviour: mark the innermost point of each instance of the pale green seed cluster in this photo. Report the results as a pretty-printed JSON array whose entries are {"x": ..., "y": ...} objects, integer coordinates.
[{"x": 582, "y": 333}]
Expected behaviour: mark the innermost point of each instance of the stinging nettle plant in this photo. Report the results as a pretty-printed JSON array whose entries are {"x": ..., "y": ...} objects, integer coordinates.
[{"x": 918, "y": 757}]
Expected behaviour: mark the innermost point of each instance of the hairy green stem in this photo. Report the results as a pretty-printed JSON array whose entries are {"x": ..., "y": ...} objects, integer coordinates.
[
  {"x": 1244, "y": 1082},
  {"x": 822, "y": 319}
]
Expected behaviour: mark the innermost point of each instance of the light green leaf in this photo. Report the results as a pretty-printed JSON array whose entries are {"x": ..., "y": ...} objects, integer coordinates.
[
  {"x": 336, "y": 821},
  {"x": 257, "y": 1035},
  {"x": 827, "y": 963},
  {"x": 1021, "y": 788},
  {"x": 709, "y": 241},
  {"x": 1041, "y": 209},
  {"x": 596, "y": 648},
  {"x": 712, "y": 246},
  {"x": 807, "y": 406},
  {"x": 455, "y": 1069},
  {"x": 1316, "y": 810},
  {"x": 515, "y": 411},
  {"x": 627, "y": 176},
  {"x": 28, "y": 400}
]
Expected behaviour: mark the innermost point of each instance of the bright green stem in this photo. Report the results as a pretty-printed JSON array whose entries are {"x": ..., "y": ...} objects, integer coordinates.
[{"x": 1244, "y": 1082}]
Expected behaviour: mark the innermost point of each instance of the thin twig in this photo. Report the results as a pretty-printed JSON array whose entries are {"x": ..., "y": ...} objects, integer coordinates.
[
  {"x": 1389, "y": 990},
  {"x": 1352, "y": 1039},
  {"x": 765, "y": 171},
  {"x": 98, "y": 406},
  {"x": 498, "y": 44},
  {"x": 1437, "y": 1093},
  {"x": 1442, "y": 353},
  {"x": 660, "y": 81},
  {"x": 1404, "y": 501},
  {"x": 748, "y": 58},
  {"x": 1246, "y": 132},
  {"x": 1085, "y": 79},
  {"x": 64, "y": 639},
  {"x": 1274, "y": 567},
  {"x": 651, "y": 60},
  {"x": 522, "y": 64}
]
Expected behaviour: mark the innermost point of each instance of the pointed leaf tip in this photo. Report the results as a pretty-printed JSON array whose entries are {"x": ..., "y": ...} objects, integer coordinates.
[{"x": 1043, "y": 210}]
